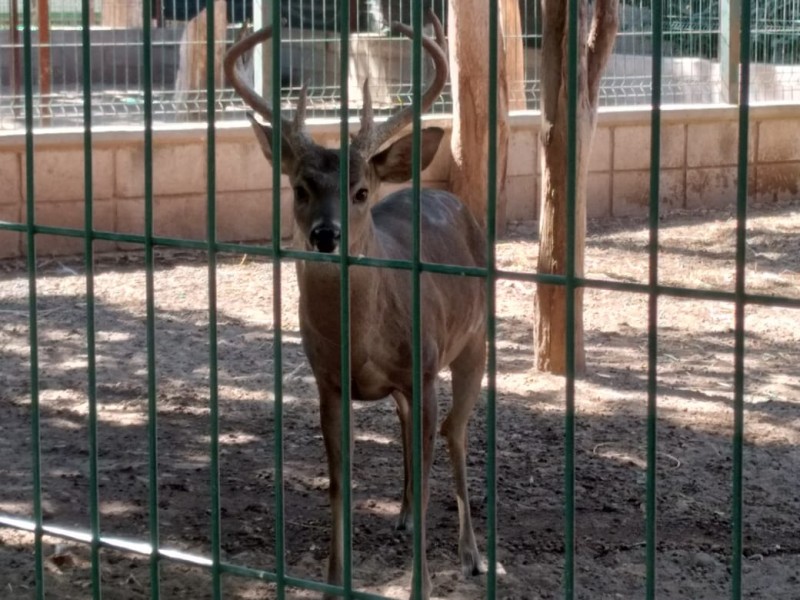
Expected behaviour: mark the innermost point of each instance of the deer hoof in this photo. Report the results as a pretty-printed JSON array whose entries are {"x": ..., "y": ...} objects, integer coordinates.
[
  {"x": 405, "y": 523},
  {"x": 471, "y": 563}
]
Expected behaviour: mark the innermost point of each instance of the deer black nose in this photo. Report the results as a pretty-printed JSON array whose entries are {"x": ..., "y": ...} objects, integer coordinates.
[{"x": 325, "y": 238}]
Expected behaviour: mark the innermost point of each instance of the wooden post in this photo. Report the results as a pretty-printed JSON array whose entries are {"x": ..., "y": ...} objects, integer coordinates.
[
  {"x": 43, "y": 11},
  {"x": 193, "y": 63},
  {"x": 511, "y": 37},
  {"x": 468, "y": 43},
  {"x": 595, "y": 43},
  {"x": 729, "y": 44}
]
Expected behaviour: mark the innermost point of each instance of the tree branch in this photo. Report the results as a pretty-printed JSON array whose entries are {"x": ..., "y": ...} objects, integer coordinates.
[{"x": 602, "y": 34}]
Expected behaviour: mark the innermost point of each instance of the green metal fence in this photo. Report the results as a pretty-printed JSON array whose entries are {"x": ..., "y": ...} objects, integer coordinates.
[{"x": 158, "y": 555}]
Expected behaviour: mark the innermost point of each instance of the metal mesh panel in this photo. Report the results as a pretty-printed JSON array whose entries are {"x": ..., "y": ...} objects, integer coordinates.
[{"x": 690, "y": 39}]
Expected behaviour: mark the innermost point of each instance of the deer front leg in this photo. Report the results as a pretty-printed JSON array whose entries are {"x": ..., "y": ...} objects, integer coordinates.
[
  {"x": 405, "y": 522},
  {"x": 429, "y": 419},
  {"x": 331, "y": 423}
]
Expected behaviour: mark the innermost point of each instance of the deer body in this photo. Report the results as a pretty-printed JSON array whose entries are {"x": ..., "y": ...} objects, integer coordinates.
[
  {"x": 452, "y": 327},
  {"x": 380, "y": 299}
]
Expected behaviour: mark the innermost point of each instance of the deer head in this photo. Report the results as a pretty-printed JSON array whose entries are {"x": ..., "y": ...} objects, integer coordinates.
[{"x": 313, "y": 170}]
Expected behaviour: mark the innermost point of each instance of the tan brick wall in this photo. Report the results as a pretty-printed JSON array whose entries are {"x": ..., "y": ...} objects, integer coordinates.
[{"x": 698, "y": 170}]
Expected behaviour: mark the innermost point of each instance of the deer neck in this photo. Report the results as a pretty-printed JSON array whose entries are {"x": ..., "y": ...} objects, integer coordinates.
[{"x": 320, "y": 294}]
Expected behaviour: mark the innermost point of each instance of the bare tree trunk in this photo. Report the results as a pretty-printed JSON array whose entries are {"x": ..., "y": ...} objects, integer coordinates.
[
  {"x": 191, "y": 78},
  {"x": 468, "y": 38},
  {"x": 593, "y": 53},
  {"x": 511, "y": 32}
]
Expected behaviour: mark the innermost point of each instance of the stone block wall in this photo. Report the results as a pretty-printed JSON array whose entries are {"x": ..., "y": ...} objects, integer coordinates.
[{"x": 698, "y": 170}]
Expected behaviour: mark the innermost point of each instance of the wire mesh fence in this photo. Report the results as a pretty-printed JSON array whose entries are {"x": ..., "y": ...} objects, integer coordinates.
[{"x": 690, "y": 39}]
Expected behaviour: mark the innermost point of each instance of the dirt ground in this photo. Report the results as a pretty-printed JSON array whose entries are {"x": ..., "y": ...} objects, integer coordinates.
[{"x": 694, "y": 442}]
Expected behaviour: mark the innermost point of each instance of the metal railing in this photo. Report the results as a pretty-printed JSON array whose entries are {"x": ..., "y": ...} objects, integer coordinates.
[
  {"x": 689, "y": 39},
  {"x": 94, "y": 537}
]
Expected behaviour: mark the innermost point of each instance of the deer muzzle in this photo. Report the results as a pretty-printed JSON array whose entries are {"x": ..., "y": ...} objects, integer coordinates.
[{"x": 325, "y": 237}]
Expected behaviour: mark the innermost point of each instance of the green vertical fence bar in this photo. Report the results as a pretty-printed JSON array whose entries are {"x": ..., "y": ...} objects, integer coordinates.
[
  {"x": 88, "y": 256},
  {"x": 150, "y": 327},
  {"x": 491, "y": 319},
  {"x": 652, "y": 308},
  {"x": 569, "y": 417},
  {"x": 739, "y": 324},
  {"x": 213, "y": 368},
  {"x": 33, "y": 328},
  {"x": 344, "y": 295},
  {"x": 416, "y": 308},
  {"x": 277, "y": 352}
]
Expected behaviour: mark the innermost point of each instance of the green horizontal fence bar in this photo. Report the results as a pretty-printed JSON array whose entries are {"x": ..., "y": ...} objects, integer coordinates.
[
  {"x": 91, "y": 347},
  {"x": 267, "y": 251}
]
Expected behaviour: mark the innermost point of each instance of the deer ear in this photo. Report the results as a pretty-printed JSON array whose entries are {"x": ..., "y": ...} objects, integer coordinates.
[
  {"x": 264, "y": 137},
  {"x": 394, "y": 164}
]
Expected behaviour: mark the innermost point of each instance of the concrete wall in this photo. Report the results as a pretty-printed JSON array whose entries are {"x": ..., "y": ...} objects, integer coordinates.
[{"x": 698, "y": 170}]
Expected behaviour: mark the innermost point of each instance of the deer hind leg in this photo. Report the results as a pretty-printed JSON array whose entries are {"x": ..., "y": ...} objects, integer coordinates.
[
  {"x": 467, "y": 371},
  {"x": 405, "y": 521}
]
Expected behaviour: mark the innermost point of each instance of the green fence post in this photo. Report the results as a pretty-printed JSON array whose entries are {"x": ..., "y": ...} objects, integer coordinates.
[
  {"x": 211, "y": 241},
  {"x": 149, "y": 261},
  {"x": 570, "y": 284},
  {"x": 274, "y": 88},
  {"x": 491, "y": 319},
  {"x": 88, "y": 255},
  {"x": 344, "y": 295},
  {"x": 739, "y": 317},
  {"x": 652, "y": 308},
  {"x": 33, "y": 330}
]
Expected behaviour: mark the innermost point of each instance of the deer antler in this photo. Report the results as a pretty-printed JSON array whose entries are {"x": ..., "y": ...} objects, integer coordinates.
[
  {"x": 371, "y": 137},
  {"x": 292, "y": 130}
]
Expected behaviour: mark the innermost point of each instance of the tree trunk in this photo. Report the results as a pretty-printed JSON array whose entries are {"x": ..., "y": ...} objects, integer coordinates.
[
  {"x": 594, "y": 49},
  {"x": 191, "y": 79},
  {"x": 468, "y": 40},
  {"x": 511, "y": 32}
]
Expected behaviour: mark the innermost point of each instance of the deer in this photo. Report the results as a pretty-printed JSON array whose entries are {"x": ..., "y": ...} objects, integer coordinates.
[{"x": 453, "y": 307}]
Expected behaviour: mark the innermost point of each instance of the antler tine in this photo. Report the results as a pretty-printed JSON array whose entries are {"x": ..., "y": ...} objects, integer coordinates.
[
  {"x": 367, "y": 118},
  {"x": 248, "y": 94},
  {"x": 300, "y": 112},
  {"x": 438, "y": 29},
  {"x": 437, "y": 49}
]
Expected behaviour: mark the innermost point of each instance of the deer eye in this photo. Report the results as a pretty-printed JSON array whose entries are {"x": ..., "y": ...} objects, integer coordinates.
[
  {"x": 300, "y": 194},
  {"x": 361, "y": 196}
]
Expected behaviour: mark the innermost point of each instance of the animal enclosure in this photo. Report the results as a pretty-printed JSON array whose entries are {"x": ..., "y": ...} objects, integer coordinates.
[{"x": 160, "y": 420}]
